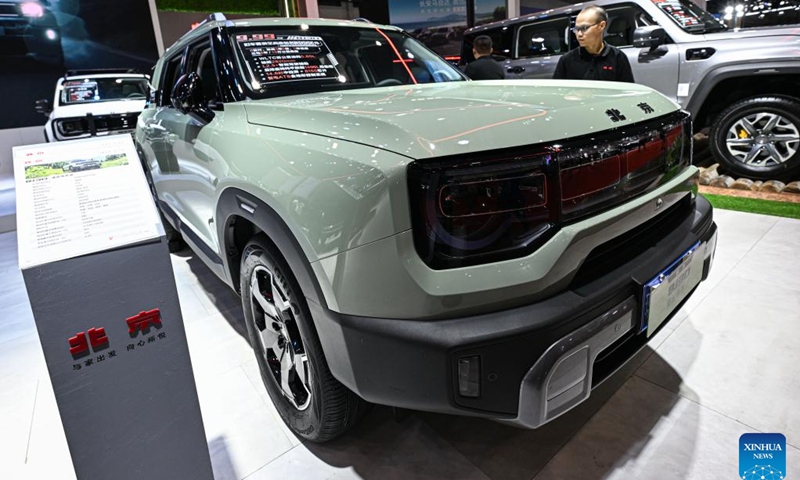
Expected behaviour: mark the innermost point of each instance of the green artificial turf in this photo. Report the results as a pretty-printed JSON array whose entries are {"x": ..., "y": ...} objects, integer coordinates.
[
  {"x": 754, "y": 205},
  {"x": 268, "y": 8}
]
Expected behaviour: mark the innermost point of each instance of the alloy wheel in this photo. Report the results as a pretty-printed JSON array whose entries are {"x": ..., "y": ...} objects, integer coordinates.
[
  {"x": 763, "y": 139},
  {"x": 279, "y": 337}
]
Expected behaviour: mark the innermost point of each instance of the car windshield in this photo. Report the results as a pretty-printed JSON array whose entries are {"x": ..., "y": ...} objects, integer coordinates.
[
  {"x": 90, "y": 90},
  {"x": 690, "y": 17},
  {"x": 312, "y": 59}
]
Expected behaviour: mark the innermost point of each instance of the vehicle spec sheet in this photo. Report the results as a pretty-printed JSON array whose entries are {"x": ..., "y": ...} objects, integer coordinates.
[
  {"x": 80, "y": 197},
  {"x": 276, "y": 58}
]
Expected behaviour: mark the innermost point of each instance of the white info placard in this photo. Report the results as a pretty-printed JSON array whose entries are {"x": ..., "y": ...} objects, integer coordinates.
[{"x": 80, "y": 197}]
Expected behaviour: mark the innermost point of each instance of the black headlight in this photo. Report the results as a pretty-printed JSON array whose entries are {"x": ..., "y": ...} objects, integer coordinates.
[{"x": 493, "y": 206}]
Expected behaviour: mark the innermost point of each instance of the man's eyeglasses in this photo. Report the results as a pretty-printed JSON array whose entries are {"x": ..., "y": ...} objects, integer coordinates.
[{"x": 583, "y": 28}]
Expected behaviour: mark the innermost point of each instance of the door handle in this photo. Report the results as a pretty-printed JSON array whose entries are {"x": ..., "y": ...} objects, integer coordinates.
[{"x": 516, "y": 70}]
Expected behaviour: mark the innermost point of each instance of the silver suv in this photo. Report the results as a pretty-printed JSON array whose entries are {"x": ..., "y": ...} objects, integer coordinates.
[
  {"x": 743, "y": 83},
  {"x": 404, "y": 236}
]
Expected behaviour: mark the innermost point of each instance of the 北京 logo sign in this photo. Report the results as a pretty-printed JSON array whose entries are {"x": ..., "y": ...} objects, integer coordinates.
[{"x": 762, "y": 456}]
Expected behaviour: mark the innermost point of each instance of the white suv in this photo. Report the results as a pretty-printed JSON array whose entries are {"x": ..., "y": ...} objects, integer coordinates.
[{"x": 90, "y": 103}]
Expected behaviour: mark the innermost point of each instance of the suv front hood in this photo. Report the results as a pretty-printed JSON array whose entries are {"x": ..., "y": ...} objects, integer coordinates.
[{"x": 436, "y": 120}]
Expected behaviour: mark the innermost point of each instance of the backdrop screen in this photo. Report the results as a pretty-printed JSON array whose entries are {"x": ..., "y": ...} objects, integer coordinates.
[{"x": 41, "y": 39}]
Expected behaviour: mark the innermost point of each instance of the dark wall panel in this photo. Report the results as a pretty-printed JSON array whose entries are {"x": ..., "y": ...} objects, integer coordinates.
[
  {"x": 69, "y": 34},
  {"x": 375, "y": 11}
]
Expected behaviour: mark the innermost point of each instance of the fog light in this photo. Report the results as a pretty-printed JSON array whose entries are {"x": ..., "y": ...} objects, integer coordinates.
[
  {"x": 469, "y": 375},
  {"x": 51, "y": 34}
]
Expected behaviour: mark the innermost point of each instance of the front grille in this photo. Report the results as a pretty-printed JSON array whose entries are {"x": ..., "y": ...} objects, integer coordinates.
[
  {"x": 620, "y": 250},
  {"x": 8, "y": 10},
  {"x": 94, "y": 125}
]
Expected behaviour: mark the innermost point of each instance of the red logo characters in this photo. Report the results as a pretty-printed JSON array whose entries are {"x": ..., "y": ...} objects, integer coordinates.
[
  {"x": 144, "y": 320},
  {"x": 78, "y": 345}
]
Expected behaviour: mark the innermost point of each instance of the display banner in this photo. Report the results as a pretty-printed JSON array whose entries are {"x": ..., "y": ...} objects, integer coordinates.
[
  {"x": 79, "y": 197},
  {"x": 440, "y": 24}
]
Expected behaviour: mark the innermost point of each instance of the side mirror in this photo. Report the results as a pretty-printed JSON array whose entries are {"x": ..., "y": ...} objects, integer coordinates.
[
  {"x": 650, "y": 37},
  {"x": 43, "y": 106},
  {"x": 188, "y": 98}
]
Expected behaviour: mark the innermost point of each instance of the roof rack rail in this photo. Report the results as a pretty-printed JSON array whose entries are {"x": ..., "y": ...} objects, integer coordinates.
[
  {"x": 362, "y": 19},
  {"x": 97, "y": 71},
  {"x": 214, "y": 17}
]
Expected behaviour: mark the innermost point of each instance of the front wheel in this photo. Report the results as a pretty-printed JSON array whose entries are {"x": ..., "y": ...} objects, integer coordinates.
[
  {"x": 759, "y": 138},
  {"x": 293, "y": 367}
]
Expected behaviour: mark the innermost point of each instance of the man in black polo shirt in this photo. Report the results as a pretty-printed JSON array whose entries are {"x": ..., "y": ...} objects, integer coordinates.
[
  {"x": 484, "y": 67},
  {"x": 594, "y": 59}
]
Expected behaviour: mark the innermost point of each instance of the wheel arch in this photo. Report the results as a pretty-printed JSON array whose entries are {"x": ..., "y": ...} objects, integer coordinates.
[
  {"x": 727, "y": 84},
  {"x": 241, "y": 215}
]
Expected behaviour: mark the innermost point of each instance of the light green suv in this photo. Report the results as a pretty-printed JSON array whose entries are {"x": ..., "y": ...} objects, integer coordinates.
[{"x": 404, "y": 236}]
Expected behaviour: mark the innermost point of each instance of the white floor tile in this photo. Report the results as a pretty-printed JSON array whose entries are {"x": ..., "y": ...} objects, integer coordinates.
[
  {"x": 242, "y": 432},
  {"x": 377, "y": 448},
  {"x": 737, "y": 354},
  {"x": 646, "y": 432}
]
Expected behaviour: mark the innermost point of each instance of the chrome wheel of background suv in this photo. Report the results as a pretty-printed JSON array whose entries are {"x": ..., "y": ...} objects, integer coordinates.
[
  {"x": 763, "y": 139},
  {"x": 759, "y": 138}
]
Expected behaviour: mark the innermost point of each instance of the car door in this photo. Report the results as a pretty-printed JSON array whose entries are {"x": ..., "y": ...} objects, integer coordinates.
[
  {"x": 187, "y": 173},
  {"x": 538, "y": 47},
  {"x": 158, "y": 138},
  {"x": 657, "y": 68}
]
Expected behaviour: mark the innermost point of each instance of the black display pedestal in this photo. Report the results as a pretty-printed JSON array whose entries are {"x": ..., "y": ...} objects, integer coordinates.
[{"x": 114, "y": 341}]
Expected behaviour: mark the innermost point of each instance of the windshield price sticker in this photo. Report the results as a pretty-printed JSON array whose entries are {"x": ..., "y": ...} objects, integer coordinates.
[{"x": 279, "y": 58}]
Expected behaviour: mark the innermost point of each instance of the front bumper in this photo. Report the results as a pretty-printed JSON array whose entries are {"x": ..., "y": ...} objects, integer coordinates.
[{"x": 537, "y": 361}]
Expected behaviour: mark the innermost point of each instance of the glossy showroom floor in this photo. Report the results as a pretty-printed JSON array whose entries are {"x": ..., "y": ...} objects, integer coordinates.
[{"x": 728, "y": 364}]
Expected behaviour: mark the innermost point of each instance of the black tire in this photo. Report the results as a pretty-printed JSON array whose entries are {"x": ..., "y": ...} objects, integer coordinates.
[
  {"x": 765, "y": 167},
  {"x": 329, "y": 408},
  {"x": 174, "y": 238}
]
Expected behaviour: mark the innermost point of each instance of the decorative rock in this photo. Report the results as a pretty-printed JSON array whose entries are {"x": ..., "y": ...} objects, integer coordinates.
[
  {"x": 773, "y": 186},
  {"x": 756, "y": 185},
  {"x": 707, "y": 175},
  {"x": 743, "y": 184},
  {"x": 793, "y": 187},
  {"x": 722, "y": 181}
]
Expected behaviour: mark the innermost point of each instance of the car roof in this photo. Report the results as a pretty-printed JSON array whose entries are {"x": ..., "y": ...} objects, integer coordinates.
[{"x": 542, "y": 15}]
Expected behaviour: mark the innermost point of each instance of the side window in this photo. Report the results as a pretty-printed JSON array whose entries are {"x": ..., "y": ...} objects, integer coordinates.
[
  {"x": 622, "y": 21},
  {"x": 502, "y": 44},
  {"x": 543, "y": 38},
  {"x": 169, "y": 77},
  {"x": 201, "y": 62}
]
